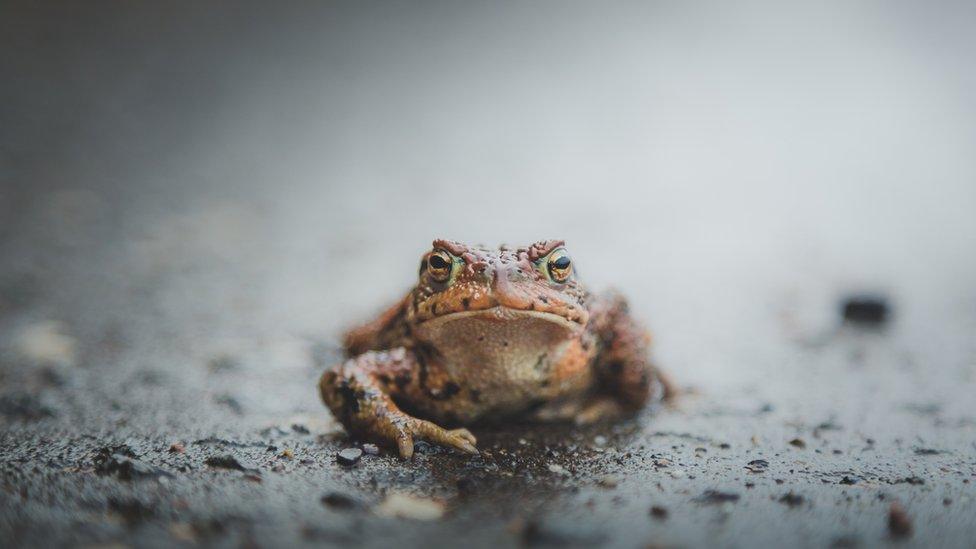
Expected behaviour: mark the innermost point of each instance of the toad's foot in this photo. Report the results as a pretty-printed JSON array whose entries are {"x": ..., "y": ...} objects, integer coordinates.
[
  {"x": 402, "y": 429},
  {"x": 359, "y": 394}
]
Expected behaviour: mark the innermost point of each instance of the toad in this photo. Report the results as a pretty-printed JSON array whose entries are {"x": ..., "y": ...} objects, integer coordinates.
[{"x": 491, "y": 334}]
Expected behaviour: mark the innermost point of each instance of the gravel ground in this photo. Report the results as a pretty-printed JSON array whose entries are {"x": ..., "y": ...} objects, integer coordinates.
[{"x": 196, "y": 202}]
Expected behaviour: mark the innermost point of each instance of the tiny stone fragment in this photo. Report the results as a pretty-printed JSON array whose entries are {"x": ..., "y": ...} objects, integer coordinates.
[
  {"x": 798, "y": 442},
  {"x": 410, "y": 507},
  {"x": 371, "y": 449},
  {"x": 757, "y": 466},
  {"x": 558, "y": 469},
  {"x": 227, "y": 461},
  {"x": 659, "y": 512},
  {"x": 713, "y": 497},
  {"x": 349, "y": 456}
]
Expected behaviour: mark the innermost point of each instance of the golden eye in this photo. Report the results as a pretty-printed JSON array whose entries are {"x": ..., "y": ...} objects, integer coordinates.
[
  {"x": 559, "y": 266},
  {"x": 439, "y": 265}
]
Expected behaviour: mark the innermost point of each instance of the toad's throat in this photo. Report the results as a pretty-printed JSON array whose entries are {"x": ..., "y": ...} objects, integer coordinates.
[{"x": 499, "y": 349}]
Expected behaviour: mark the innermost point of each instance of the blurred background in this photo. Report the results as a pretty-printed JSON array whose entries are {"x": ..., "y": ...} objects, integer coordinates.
[
  {"x": 186, "y": 181},
  {"x": 230, "y": 166}
]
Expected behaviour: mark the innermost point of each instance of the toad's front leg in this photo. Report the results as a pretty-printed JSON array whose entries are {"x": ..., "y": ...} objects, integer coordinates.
[{"x": 360, "y": 394}]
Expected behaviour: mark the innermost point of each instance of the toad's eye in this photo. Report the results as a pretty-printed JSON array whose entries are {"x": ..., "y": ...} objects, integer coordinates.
[
  {"x": 559, "y": 266},
  {"x": 439, "y": 265}
]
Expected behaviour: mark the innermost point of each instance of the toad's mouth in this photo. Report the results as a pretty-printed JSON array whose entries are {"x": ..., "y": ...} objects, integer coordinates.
[{"x": 502, "y": 314}]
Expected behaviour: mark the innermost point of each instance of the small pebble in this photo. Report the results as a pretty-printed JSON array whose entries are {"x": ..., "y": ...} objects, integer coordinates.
[
  {"x": 349, "y": 456},
  {"x": 899, "y": 523},
  {"x": 288, "y": 454},
  {"x": 676, "y": 473},
  {"x": 177, "y": 448},
  {"x": 798, "y": 442},
  {"x": 410, "y": 507},
  {"x": 757, "y": 466},
  {"x": 371, "y": 449},
  {"x": 659, "y": 512},
  {"x": 792, "y": 499},
  {"x": 715, "y": 497},
  {"x": 865, "y": 310},
  {"x": 336, "y": 500},
  {"x": 600, "y": 440},
  {"x": 607, "y": 481},
  {"x": 558, "y": 469}
]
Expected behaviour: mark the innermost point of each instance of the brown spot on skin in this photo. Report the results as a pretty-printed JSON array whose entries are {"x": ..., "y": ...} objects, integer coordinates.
[
  {"x": 403, "y": 380},
  {"x": 466, "y": 303},
  {"x": 447, "y": 391}
]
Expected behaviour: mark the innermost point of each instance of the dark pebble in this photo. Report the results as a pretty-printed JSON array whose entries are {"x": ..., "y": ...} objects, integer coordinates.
[
  {"x": 757, "y": 466},
  {"x": 349, "y": 456},
  {"x": 792, "y": 499},
  {"x": 336, "y": 500},
  {"x": 122, "y": 462},
  {"x": 865, "y": 310},
  {"x": 713, "y": 497},
  {"x": 659, "y": 512},
  {"x": 798, "y": 442},
  {"x": 899, "y": 523},
  {"x": 227, "y": 461}
]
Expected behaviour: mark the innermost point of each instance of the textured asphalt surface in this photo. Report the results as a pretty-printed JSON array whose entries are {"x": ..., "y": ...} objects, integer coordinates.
[{"x": 196, "y": 202}]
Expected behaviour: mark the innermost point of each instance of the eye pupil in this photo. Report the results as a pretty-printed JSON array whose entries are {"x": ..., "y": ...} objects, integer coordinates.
[
  {"x": 438, "y": 262},
  {"x": 559, "y": 268}
]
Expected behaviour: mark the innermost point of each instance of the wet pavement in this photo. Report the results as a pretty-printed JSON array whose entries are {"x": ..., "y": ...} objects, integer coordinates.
[{"x": 194, "y": 206}]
